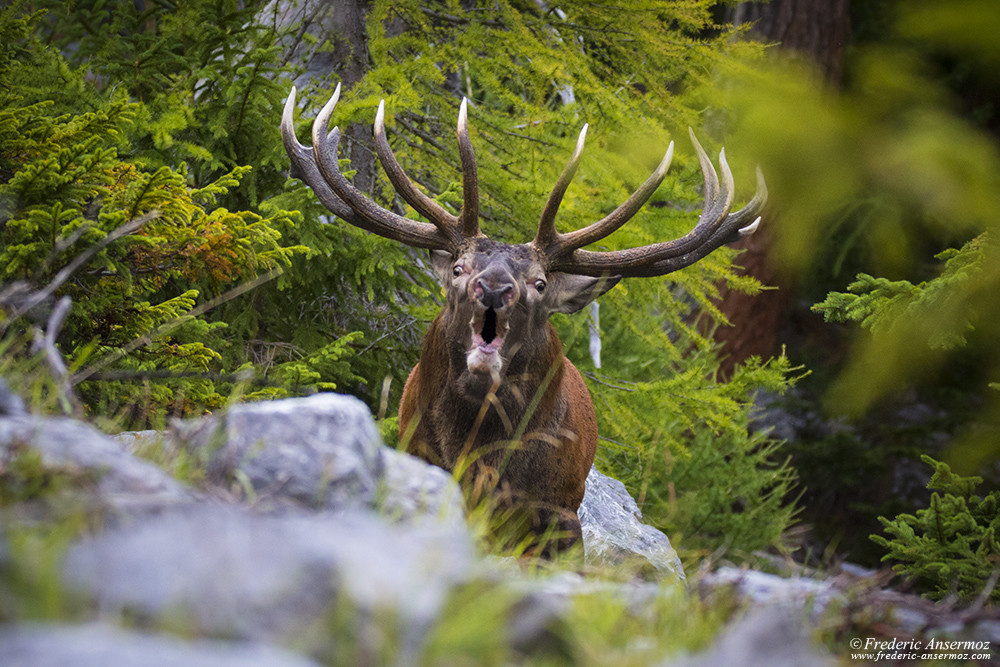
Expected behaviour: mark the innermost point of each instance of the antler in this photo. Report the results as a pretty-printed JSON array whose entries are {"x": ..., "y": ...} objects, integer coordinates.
[
  {"x": 716, "y": 225},
  {"x": 318, "y": 167}
]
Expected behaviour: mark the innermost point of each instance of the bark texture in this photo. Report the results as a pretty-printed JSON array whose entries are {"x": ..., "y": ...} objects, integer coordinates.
[{"x": 818, "y": 31}]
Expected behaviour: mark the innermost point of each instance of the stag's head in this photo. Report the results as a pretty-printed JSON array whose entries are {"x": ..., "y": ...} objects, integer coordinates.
[{"x": 500, "y": 295}]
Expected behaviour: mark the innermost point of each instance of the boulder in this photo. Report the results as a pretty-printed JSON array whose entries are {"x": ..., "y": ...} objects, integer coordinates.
[
  {"x": 613, "y": 532},
  {"x": 322, "y": 451},
  {"x": 765, "y": 589},
  {"x": 99, "y": 645},
  {"x": 123, "y": 482},
  {"x": 764, "y": 637},
  {"x": 229, "y": 572},
  {"x": 413, "y": 490}
]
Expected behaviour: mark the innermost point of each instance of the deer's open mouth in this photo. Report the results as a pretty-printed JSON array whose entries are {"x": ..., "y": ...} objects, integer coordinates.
[{"x": 488, "y": 329}]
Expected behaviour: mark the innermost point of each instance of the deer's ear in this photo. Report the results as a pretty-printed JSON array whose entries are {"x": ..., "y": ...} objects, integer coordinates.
[
  {"x": 442, "y": 260},
  {"x": 573, "y": 292}
]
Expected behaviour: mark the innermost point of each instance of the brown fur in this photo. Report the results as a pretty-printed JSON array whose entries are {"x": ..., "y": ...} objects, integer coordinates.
[{"x": 546, "y": 470}]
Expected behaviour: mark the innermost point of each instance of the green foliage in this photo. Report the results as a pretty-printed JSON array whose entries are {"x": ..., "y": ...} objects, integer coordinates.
[
  {"x": 67, "y": 190},
  {"x": 939, "y": 313},
  {"x": 879, "y": 176},
  {"x": 31, "y": 586},
  {"x": 952, "y": 546},
  {"x": 670, "y": 439},
  {"x": 158, "y": 323}
]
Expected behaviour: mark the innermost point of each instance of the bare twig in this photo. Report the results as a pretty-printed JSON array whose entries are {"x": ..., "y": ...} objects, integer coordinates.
[
  {"x": 987, "y": 591},
  {"x": 47, "y": 343},
  {"x": 598, "y": 380},
  {"x": 62, "y": 244},
  {"x": 375, "y": 342}
]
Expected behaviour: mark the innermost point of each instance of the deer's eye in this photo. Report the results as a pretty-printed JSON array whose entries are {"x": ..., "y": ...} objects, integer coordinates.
[
  {"x": 457, "y": 271},
  {"x": 540, "y": 285}
]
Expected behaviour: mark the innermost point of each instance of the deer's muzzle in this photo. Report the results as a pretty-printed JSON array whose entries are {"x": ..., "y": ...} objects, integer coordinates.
[{"x": 488, "y": 328}]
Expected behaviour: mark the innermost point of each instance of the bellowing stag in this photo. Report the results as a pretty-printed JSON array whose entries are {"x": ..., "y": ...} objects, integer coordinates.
[{"x": 492, "y": 396}]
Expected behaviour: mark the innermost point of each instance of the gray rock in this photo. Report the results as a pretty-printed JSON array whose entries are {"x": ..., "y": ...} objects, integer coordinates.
[
  {"x": 322, "y": 451},
  {"x": 98, "y": 645},
  {"x": 613, "y": 532},
  {"x": 229, "y": 572},
  {"x": 538, "y": 619},
  {"x": 10, "y": 403},
  {"x": 765, "y": 637},
  {"x": 414, "y": 490},
  {"x": 761, "y": 588},
  {"x": 124, "y": 482}
]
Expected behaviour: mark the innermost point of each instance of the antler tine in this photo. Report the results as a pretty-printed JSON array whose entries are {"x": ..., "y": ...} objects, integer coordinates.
[
  {"x": 716, "y": 227},
  {"x": 722, "y": 236},
  {"x": 470, "y": 178},
  {"x": 547, "y": 223},
  {"x": 671, "y": 264},
  {"x": 567, "y": 243},
  {"x": 752, "y": 208},
  {"x": 707, "y": 172},
  {"x": 427, "y": 207},
  {"x": 365, "y": 213},
  {"x": 718, "y": 200},
  {"x": 304, "y": 165}
]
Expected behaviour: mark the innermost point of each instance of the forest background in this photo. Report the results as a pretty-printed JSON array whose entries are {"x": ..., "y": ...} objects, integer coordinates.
[{"x": 143, "y": 177}]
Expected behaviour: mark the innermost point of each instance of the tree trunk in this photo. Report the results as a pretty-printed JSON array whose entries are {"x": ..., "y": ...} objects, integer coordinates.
[
  {"x": 818, "y": 31},
  {"x": 346, "y": 28},
  {"x": 343, "y": 24}
]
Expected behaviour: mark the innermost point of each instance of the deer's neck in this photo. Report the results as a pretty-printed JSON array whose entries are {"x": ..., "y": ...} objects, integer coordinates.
[{"x": 526, "y": 395}]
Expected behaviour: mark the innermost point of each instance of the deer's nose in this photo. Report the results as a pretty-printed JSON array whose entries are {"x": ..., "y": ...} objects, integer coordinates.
[
  {"x": 494, "y": 294},
  {"x": 494, "y": 287}
]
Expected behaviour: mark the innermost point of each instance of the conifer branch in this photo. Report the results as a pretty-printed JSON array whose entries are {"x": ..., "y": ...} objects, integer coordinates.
[
  {"x": 167, "y": 327},
  {"x": 64, "y": 274}
]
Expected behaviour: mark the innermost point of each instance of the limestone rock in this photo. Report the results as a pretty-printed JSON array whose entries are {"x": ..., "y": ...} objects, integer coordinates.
[
  {"x": 98, "y": 645},
  {"x": 124, "y": 482},
  {"x": 762, "y": 588},
  {"x": 414, "y": 490},
  {"x": 322, "y": 451},
  {"x": 235, "y": 573},
  {"x": 613, "y": 532}
]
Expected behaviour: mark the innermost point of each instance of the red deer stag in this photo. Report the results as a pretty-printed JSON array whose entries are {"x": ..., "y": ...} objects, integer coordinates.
[{"x": 493, "y": 396}]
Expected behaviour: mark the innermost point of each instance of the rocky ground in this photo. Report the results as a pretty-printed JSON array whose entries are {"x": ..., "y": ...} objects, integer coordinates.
[{"x": 285, "y": 533}]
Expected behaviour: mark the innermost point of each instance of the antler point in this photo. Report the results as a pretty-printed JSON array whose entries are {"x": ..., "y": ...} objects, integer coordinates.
[
  {"x": 668, "y": 157},
  {"x": 380, "y": 117},
  {"x": 579, "y": 143},
  {"x": 750, "y": 229}
]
